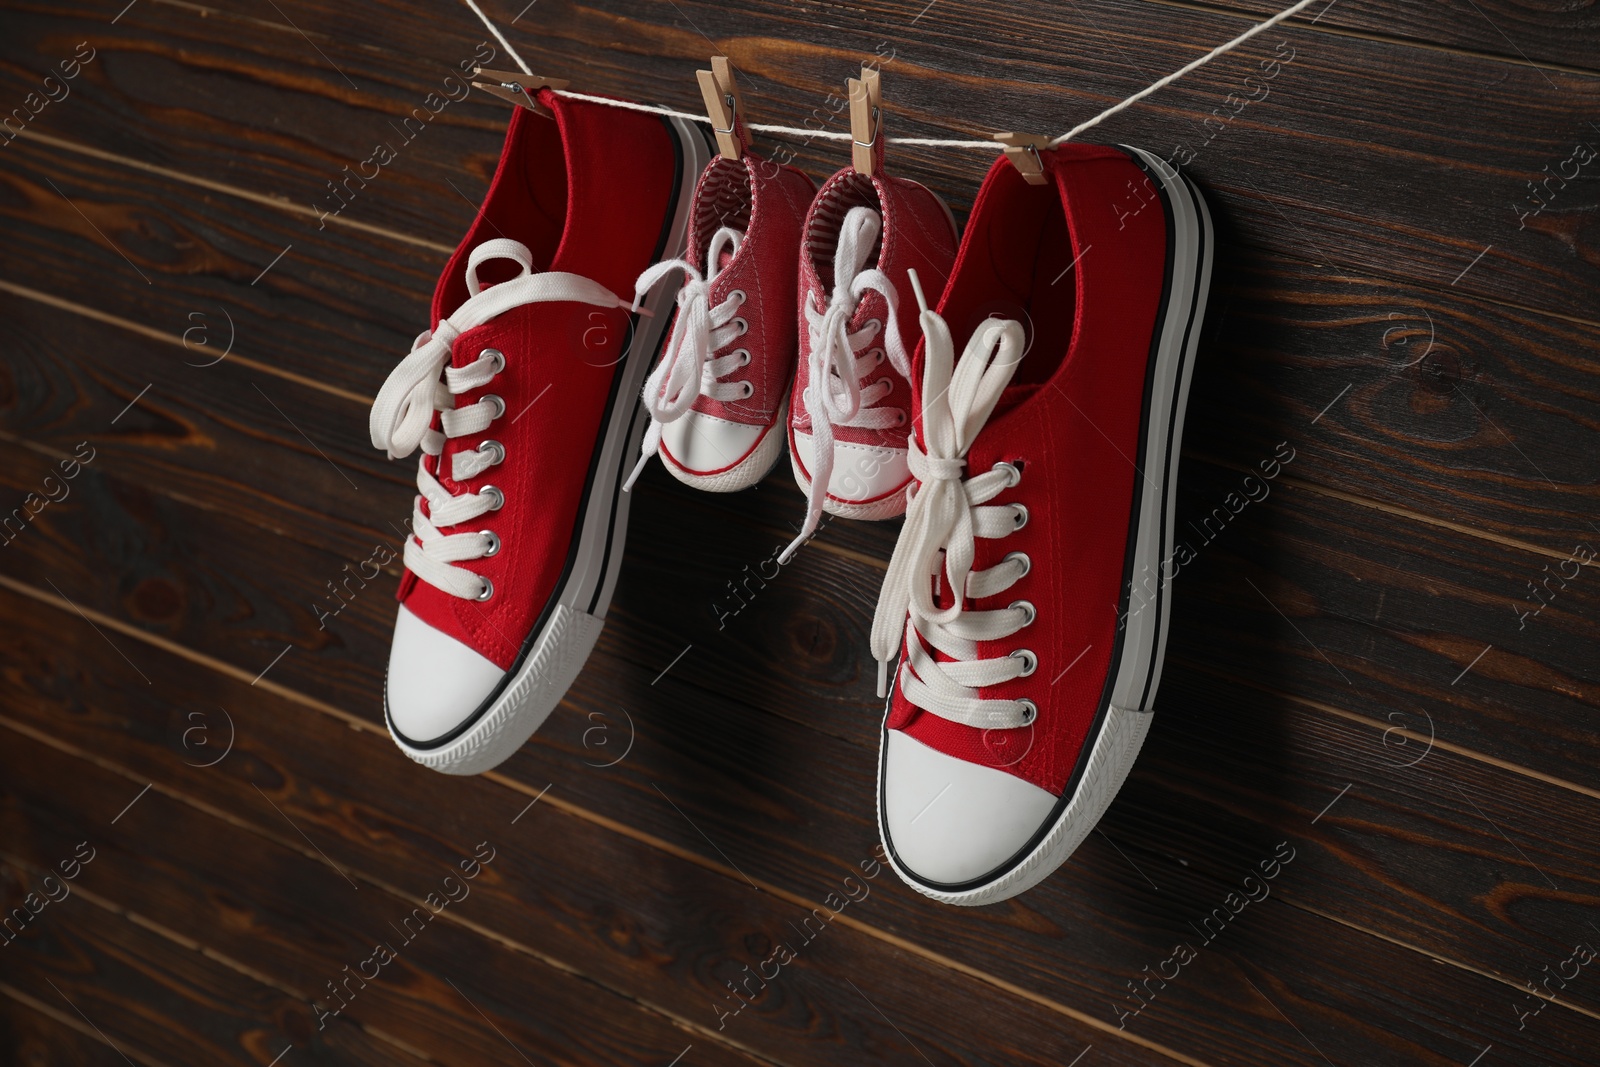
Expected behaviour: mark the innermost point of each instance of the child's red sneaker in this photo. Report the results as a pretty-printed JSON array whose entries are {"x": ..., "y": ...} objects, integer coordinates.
[
  {"x": 850, "y": 410},
  {"x": 524, "y": 399},
  {"x": 721, "y": 388},
  {"x": 1046, "y": 469}
]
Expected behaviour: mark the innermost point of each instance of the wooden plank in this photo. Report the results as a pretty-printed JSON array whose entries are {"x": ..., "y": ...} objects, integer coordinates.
[
  {"x": 760, "y": 791},
  {"x": 1328, "y": 119},
  {"x": 152, "y": 998},
  {"x": 1544, "y": 31},
  {"x": 38, "y": 1038},
  {"x": 206, "y": 578},
  {"x": 1398, "y": 620},
  {"x": 816, "y": 645},
  {"x": 1401, "y": 608},
  {"x": 282, "y": 913},
  {"x": 653, "y": 925},
  {"x": 227, "y": 434},
  {"x": 1395, "y": 393},
  {"x": 1455, "y": 409},
  {"x": 250, "y": 103},
  {"x": 743, "y": 661},
  {"x": 233, "y": 281}
]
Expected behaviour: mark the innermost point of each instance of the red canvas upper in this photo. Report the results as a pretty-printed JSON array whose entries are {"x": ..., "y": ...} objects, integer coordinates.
[
  {"x": 917, "y": 235},
  {"x": 588, "y": 193},
  {"x": 1071, "y": 419},
  {"x": 767, "y": 202}
]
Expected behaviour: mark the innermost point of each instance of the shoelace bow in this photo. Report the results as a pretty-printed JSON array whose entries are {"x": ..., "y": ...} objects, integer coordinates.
[
  {"x": 423, "y": 383},
  {"x": 944, "y": 515},
  {"x": 834, "y": 371},
  {"x": 686, "y": 371}
]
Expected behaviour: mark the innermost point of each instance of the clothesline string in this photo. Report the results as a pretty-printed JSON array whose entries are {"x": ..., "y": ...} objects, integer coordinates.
[{"x": 926, "y": 142}]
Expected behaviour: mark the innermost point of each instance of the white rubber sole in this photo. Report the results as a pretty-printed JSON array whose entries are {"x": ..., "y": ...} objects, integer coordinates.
[
  {"x": 1138, "y": 671},
  {"x": 742, "y": 475},
  {"x": 552, "y": 661}
]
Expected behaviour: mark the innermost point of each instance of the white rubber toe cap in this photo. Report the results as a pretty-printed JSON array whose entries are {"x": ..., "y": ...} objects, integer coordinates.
[
  {"x": 435, "y": 682},
  {"x": 860, "y": 472},
  {"x": 950, "y": 822},
  {"x": 702, "y": 443}
]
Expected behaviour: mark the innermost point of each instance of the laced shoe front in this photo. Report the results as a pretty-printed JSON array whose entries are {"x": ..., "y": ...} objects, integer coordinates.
[
  {"x": 1044, "y": 461},
  {"x": 523, "y": 399},
  {"x": 850, "y": 406},
  {"x": 720, "y": 390}
]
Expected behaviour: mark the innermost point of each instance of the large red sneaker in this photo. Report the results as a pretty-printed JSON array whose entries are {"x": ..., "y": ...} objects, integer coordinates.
[
  {"x": 524, "y": 397},
  {"x": 850, "y": 409},
  {"x": 719, "y": 396},
  {"x": 1045, "y": 468}
]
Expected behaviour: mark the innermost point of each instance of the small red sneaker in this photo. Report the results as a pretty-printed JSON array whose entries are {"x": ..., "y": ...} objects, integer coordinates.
[
  {"x": 524, "y": 399},
  {"x": 1046, "y": 474},
  {"x": 721, "y": 386},
  {"x": 850, "y": 410}
]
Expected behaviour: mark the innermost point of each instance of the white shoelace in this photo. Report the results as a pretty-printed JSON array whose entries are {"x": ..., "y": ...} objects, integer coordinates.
[
  {"x": 402, "y": 414},
  {"x": 944, "y": 516},
  {"x": 686, "y": 371},
  {"x": 834, "y": 396}
]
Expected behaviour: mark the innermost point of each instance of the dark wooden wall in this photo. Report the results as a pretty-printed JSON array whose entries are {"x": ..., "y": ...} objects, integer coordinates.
[{"x": 1357, "y": 678}]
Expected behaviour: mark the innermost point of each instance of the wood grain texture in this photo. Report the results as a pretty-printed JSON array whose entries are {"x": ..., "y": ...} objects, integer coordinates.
[
  {"x": 818, "y": 646},
  {"x": 775, "y": 827},
  {"x": 228, "y": 280},
  {"x": 38, "y": 1038},
  {"x": 150, "y": 996},
  {"x": 279, "y": 908},
  {"x": 1536, "y": 31},
  {"x": 1355, "y": 668},
  {"x": 1335, "y": 116},
  {"x": 1402, "y": 398},
  {"x": 668, "y": 933}
]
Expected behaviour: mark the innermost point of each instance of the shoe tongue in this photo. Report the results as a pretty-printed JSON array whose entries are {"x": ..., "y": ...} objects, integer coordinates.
[{"x": 858, "y": 245}]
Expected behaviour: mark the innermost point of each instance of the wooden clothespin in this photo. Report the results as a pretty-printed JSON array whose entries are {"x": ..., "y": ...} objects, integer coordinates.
[
  {"x": 517, "y": 88},
  {"x": 725, "y": 107},
  {"x": 866, "y": 121},
  {"x": 1023, "y": 151}
]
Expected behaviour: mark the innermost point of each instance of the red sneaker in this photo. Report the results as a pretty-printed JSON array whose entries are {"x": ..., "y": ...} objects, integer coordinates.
[
  {"x": 1025, "y": 687},
  {"x": 722, "y": 383},
  {"x": 518, "y": 533},
  {"x": 850, "y": 410}
]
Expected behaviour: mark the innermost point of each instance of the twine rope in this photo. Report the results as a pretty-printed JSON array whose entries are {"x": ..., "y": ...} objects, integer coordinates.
[{"x": 925, "y": 142}]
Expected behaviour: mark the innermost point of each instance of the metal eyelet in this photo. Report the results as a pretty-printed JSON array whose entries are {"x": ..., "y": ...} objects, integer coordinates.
[
  {"x": 1030, "y": 711},
  {"x": 1030, "y": 662},
  {"x": 749, "y": 390},
  {"x": 492, "y": 547},
  {"x": 495, "y": 356},
  {"x": 488, "y": 589},
  {"x": 495, "y": 402},
  {"x": 494, "y": 493},
  {"x": 740, "y": 293},
  {"x": 744, "y": 327},
  {"x": 494, "y": 448},
  {"x": 1027, "y": 608},
  {"x": 1022, "y": 516},
  {"x": 1020, "y": 557},
  {"x": 1013, "y": 475},
  {"x": 878, "y": 356},
  {"x": 899, "y": 417},
  {"x": 744, "y": 354}
]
